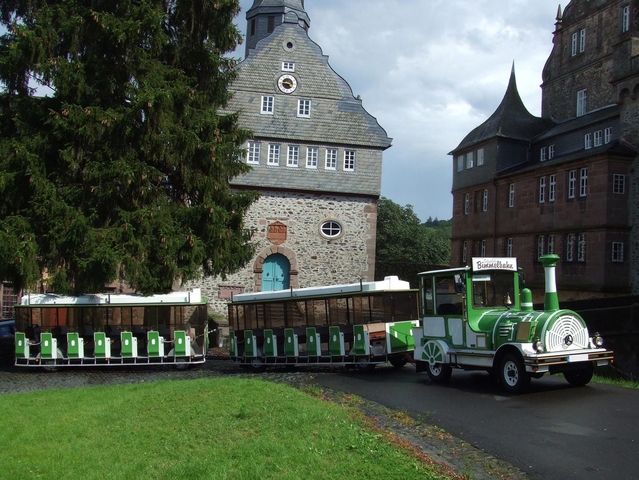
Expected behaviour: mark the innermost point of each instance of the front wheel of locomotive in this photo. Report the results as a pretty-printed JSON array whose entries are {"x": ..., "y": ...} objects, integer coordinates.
[
  {"x": 512, "y": 373},
  {"x": 581, "y": 377}
]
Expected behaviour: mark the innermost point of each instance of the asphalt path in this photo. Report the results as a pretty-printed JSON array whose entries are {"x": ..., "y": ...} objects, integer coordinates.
[{"x": 553, "y": 431}]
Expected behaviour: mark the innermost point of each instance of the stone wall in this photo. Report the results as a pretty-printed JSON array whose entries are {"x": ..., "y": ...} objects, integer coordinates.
[{"x": 315, "y": 260}]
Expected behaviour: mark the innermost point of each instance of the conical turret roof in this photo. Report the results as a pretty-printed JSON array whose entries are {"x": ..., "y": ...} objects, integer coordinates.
[{"x": 510, "y": 120}]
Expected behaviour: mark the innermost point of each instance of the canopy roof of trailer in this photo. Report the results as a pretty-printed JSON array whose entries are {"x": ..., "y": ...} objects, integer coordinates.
[
  {"x": 388, "y": 284},
  {"x": 191, "y": 297}
]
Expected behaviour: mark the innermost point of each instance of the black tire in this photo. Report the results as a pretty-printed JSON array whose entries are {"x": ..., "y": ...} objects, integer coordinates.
[
  {"x": 364, "y": 365},
  {"x": 398, "y": 362},
  {"x": 255, "y": 366},
  {"x": 438, "y": 372},
  {"x": 512, "y": 373},
  {"x": 579, "y": 378}
]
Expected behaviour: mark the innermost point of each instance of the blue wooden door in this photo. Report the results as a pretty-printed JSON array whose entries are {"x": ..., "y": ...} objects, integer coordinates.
[{"x": 275, "y": 273}]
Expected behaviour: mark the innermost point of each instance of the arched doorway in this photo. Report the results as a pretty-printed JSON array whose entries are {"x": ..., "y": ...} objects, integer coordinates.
[{"x": 275, "y": 273}]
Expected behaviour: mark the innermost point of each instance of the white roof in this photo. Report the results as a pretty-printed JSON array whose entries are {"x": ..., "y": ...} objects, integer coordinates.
[
  {"x": 388, "y": 284},
  {"x": 189, "y": 297}
]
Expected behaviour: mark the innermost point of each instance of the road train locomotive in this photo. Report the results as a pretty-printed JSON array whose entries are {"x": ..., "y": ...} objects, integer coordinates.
[
  {"x": 55, "y": 331},
  {"x": 473, "y": 318}
]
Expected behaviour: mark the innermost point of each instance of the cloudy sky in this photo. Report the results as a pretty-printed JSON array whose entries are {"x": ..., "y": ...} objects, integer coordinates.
[{"x": 430, "y": 71}]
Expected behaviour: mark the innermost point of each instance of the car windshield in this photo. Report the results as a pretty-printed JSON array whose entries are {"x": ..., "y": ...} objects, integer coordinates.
[{"x": 493, "y": 289}]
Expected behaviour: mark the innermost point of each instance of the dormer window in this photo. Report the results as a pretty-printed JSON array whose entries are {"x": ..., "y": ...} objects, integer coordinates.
[
  {"x": 270, "y": 25},
  {"x": 288, "y": 66}
]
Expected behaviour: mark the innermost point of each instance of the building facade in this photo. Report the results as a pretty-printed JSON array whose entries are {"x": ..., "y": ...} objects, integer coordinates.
[
  {"x": 316, "y": 158},
  {"x": 564, "y": 182}
]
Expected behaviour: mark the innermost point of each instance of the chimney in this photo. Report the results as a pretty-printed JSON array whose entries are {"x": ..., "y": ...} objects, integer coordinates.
[{"x": 551, "y": 302}]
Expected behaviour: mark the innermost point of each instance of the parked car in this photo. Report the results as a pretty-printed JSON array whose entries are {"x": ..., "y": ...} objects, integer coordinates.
[{"x": 7, "y": 339}]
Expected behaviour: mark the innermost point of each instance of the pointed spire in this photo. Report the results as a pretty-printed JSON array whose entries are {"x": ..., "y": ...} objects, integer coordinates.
[
  {"x": 511, "y": 119},
  {"x": 560, "y": 18}
]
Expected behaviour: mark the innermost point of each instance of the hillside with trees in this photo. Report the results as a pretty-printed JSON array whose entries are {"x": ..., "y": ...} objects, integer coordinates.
[{"x": 405, "y": 245}]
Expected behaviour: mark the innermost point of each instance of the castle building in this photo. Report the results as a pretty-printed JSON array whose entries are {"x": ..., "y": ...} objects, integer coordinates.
[
  {"x": 565, "y": 182},
  {"x": 316, "y": 158}
]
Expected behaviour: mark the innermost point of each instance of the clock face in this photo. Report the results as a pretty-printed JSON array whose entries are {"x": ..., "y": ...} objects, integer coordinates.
[{"x": 287, "y": 83}]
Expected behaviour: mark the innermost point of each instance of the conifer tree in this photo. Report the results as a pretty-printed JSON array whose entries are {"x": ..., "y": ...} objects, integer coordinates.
[{"x": 115, "y": 160}]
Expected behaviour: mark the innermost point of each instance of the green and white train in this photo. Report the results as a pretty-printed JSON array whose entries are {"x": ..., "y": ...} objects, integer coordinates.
[{"x": 476, "y": 318}]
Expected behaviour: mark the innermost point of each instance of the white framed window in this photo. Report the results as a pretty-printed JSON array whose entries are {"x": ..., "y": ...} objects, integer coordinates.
[
  {"x": 572, "y": 183},
  {"x": 588, "y": 141},
  {"x": 470, "y": 160},
  {"x": 550, "y": 244},
  {"x": 466, "y": 203},
  {"x": 607, "y": 135},
  {"x": 625, "y": 18},
  {"x": 480, "y": 157},
  {"x": 273, "y": 154},
  {"x": 582, "y": 40},
  {"x": 331, "y": 159},
  {"x": 293, "y": 157},
  {"x": 460, "y": 163},
  {"x": 583, "y": 182},
  {"x": 304, "y": 108},
  {"x": 349, "y": 160},
  {"x": 288, "y": 66},
  {"x": 509, "y": 247},
  {"x": 331, "y": 229},
  {"x": 551, "y": 152},
  {"x": 511, "y": 195},
  {"x": 617, "y": 252},
  {"x": 581, "y": 248},
  {"x": 582, "y": 102},
  {"x": 267, "y": 105},
  {"x": 483, "y": 248},
  {"x": 312, "y": 153},
  {"x": 618, "y": 183},
  {"x": 541, "y": 241},
  {"x": 464, "y": 252},
  {"x": 570, "y": 247},
  {"x": 542, "y": 154},
  {"x": 484, "y": 203},
  {"x": 598, "y": 138},
  {"x": 552, "y": 187},
  {"x": 253, "y": 153},
  {"x": 542, "y": 189},
  {"x": 573, "y": 44}
]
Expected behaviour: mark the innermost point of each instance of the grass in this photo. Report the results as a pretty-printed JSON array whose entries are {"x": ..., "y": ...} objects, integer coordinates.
[
  {"x": 612, "y": 376},
  {"x": 223, "y": 428}
]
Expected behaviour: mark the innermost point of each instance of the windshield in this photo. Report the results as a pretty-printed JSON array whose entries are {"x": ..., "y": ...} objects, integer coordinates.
[{"x": 493, "y": 289}]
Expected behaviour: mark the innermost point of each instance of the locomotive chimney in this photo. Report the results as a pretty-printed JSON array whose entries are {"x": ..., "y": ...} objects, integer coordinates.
[{"x": 551, "y": 302}]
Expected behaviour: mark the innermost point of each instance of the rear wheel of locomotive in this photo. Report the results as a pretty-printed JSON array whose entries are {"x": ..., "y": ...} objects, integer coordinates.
[
  {"x": 512, "y": 373},
  {"x": 438, "y": 372},
  {"x": 579, "y": 378}
]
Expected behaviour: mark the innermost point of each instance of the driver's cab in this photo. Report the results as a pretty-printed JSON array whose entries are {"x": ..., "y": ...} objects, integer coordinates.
[{"x": 443, "y": 293}]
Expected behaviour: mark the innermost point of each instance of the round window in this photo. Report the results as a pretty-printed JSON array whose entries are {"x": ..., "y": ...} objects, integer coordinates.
[{"x": 331, "y": 229}]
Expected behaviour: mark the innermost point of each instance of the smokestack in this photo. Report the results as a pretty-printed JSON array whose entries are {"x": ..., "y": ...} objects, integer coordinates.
[{"x": 551, "y": 302}]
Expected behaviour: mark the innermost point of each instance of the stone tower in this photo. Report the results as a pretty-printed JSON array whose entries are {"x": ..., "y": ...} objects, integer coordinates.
[{"x": 316, "y": 158}]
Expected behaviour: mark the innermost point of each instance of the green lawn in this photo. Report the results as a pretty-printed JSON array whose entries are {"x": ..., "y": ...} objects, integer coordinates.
[{"x": 225, "y": 428}]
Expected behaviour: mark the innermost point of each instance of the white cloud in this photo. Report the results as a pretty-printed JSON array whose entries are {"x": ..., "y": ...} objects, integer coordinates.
[{"x": 430, "y": 72}]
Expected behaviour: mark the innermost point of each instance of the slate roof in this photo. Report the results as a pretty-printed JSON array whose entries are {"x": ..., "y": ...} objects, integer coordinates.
[
  {"x": 277, "y": 6},
  {"x": 338, "y": 119},
  {"x": 510, "y": 120}
]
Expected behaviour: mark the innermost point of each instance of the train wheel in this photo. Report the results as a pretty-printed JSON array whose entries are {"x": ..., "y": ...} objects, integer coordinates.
[
  {"x": 439, "y": 372},
  {"x": 255, "y": 365},
  {"x": 398, "y": 362},
  {"x": 364, "y": 365},
  {"x": 512, "y": 374},
  {"x": 579, "y": 378}
]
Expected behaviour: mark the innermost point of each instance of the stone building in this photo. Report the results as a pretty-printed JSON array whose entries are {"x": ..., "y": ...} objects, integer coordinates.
[
  {"x": 564, "y": 182},
  {"x": 316, "y": 159}
]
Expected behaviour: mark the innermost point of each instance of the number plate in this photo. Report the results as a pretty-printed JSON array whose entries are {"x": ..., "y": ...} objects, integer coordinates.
[{"x": 578, "y": 358}]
